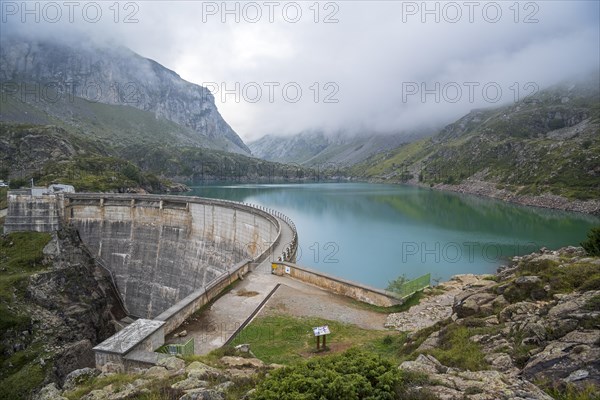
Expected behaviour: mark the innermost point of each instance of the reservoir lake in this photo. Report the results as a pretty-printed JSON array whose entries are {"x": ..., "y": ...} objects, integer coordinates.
[{"x": 373, "y": 233}]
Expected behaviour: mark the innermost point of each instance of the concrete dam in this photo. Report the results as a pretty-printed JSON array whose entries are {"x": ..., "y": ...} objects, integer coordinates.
[{"x": 159, "y": 249}]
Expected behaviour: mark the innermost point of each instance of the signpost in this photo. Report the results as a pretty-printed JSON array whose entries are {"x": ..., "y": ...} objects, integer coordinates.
[{"x": 321, "y": 331}]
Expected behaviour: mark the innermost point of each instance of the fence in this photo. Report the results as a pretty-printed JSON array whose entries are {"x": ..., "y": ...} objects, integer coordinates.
[
  {"x": 414, "y": 286},
  {"x": 185, "y": 349}
]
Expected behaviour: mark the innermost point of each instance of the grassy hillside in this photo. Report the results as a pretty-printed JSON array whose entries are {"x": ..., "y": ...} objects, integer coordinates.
[
  {"x": 546, "y": 144},
  {"x": 99, "y": 147}
]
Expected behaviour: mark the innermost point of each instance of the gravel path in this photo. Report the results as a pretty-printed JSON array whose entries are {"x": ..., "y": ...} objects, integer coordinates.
[{"x": 303, "y": 300}]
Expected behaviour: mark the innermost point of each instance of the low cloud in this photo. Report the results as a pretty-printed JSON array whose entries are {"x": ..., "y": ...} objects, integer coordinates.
[{"x": 361, "y": 67}]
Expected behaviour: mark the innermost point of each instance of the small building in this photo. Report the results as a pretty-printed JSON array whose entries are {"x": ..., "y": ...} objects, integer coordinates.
[
  {"x": 37, "y": 209},
  {"x": 133, "y": 346}
]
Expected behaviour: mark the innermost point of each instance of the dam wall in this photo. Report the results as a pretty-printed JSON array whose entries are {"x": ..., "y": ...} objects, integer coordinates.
[
  {"x": 162, "y": 249},
  {"x": 334, "y": 284}
]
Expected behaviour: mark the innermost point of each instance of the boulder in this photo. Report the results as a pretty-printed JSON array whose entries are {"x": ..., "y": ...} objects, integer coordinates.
[
  {"x": 188, "y": 383},
  {"x": 425, "y": 364},
  {"x": 78, "y": 376},
  {"x": 157, "y": 372},
  {"x": 521, "y": 311},
  {"x": 171, "y": 363},
  {"x": 223, "y": 387},
  {"x": 202, "y": 371},
  {"x": 431, "y": 342},
  {"x": 203, "y": 394},
  {"x": 96, "y": 395},
  {"x": 241, "y": 362},
  {"x": 466, "y": 305},
  {"x": 500, "y": 361},
  {"x": 561, "y": 359},
  {"x": 50, "y": 392}
]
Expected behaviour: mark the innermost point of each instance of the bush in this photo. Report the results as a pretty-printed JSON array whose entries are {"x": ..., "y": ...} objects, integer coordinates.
[
  {"x": 351, "y": 375},
  {"x": 592, "y": 244},
  {"x": 17, "y": 183}
]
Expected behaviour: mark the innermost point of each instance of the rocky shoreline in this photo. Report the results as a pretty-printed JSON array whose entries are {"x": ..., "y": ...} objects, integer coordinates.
[
  {"x": 483, "y": 188},
  {"x": 546, "y": 200}
]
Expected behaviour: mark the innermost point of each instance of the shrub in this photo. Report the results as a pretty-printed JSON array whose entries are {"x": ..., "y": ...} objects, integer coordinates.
[
  {"x": 351, "y": 375},
  {"x": 592, "y": 244}
]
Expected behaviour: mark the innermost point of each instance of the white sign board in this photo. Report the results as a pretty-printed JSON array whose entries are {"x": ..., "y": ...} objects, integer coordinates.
[
  {"x": 287, "y": 270},
  {"x": 321, "y": 330}
]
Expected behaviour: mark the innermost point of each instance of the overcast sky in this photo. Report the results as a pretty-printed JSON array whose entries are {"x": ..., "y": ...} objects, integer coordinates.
[{"x": 361, "y": 66}]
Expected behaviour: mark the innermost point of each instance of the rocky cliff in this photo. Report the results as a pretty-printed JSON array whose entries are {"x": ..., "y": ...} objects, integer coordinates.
[
  {"x": 56, "y": 305},
  {"x": 53, "y": 75}
]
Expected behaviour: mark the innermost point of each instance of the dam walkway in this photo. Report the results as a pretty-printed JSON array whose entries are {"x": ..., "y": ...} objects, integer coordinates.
[{"x": 222, "y": 319}]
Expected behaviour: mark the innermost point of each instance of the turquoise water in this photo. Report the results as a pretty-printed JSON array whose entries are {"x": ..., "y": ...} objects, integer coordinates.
[{"x": 373, "y": 233}]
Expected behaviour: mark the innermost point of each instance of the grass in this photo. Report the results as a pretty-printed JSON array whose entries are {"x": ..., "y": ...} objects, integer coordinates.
[
  {"x": 592, "y": 304},
  {"x": 28, "y": 377},
  {"x": 572, "y": 392},
  {"x": 457, "y": 350},
  {"x": 118, "y": 381},
  {"x": 283, "y": 339},
  {"x": 20, "y": 257},
  {"x": 562, "y": 278}
]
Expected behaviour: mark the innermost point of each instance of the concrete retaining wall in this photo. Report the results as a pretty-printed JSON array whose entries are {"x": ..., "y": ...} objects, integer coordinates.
[
  {"x": 161, "y": 249},
  {"x": 333, "y": 284},
  {"x": 175, "y": 315}
]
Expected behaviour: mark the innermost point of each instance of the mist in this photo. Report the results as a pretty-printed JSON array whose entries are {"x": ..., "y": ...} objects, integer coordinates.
[{"x": 357, "y": 67}]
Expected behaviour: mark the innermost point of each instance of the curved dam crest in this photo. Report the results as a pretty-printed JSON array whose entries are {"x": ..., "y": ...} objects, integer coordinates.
[{"x": 161, "y": 249}]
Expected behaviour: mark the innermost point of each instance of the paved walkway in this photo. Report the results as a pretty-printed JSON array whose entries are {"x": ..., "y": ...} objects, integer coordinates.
[
  {"x": 218, "y": 323},
  {"x": 301, "y": 299}
]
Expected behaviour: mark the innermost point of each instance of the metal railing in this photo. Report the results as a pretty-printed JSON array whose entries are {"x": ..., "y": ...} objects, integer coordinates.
[
  {"x": 414, "y": 286},
  {"x": 115, "y": 288},
  {"x": 289, "y": 252}
]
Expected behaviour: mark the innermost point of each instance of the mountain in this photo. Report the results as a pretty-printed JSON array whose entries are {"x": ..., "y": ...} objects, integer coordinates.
[
  {"x": 312, "y": 148},
  {"x": 72, "y": 82},
  {"x": 106, "y": 119},
  {"x": 543, "y": 150}
]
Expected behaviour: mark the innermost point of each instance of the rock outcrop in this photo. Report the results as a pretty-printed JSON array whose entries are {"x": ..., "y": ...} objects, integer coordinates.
[
  {"x": 536, "y": 321},
  {"x": 71, "y": 307}
]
